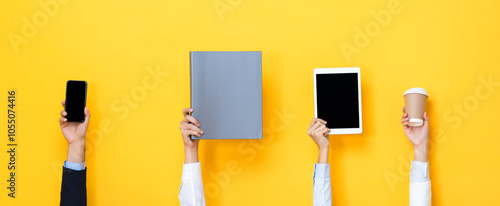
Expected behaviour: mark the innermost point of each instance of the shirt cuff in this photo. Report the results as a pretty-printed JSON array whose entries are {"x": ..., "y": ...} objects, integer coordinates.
[
  {"x": 191, "y": 171},
  {"x": 321, "y": 171},
  {"x": 74, "y": 166},
  {"x": 419, "y": 171}
]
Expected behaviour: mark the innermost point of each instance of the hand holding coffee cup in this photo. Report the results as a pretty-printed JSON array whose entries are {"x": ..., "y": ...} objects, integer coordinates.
[{"x": 415, "y": 100}]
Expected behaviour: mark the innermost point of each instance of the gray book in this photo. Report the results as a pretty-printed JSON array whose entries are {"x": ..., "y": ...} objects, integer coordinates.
[{"x": 226, "y": 94}]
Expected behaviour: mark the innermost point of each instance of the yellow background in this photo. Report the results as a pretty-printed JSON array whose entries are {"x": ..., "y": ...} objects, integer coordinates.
[{"x": 443, "y": 46}]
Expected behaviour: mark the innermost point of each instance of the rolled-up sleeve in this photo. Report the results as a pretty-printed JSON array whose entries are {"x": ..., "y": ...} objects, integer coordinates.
[
  {"x": 322, "y": 188},
  {"x": 420, "y": 184},
  {"x": 191, "y": 191}
]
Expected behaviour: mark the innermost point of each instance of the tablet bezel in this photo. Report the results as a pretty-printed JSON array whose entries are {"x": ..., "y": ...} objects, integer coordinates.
[{"x": 341, "y": 70}]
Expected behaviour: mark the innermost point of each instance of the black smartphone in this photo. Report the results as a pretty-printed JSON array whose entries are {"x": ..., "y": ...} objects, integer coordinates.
[{"x": 76, "y": 97}]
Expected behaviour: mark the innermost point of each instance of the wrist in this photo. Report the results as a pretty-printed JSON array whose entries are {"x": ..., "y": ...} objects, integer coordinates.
[
  {"x": 190, "y": 154},
  {"x": 421, "y": 153},
  {"x": 190, "y": 146},
  {"x": 323, "y": 155},
  {"x": 324, "y": 145},
  {"x": 76, "y": 151}
]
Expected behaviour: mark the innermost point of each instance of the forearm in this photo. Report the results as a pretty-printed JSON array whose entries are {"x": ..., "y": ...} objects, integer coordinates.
[
  {"x": 190, "y": 154},
  {"x": 323, "y": 155},
  {"x": 421, "y": 153},
  {"x": 73, "y": 188},
  {"x": 322, "y": 189},
  {"x": 76, "y": 151}
]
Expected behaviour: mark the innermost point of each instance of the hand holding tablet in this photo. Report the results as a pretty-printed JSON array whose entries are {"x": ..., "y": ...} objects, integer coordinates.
[{"x": 337, "y": 99}]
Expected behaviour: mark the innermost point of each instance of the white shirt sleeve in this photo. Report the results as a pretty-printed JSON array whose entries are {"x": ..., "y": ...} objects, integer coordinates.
[
  {"x": 420, "y": 184},
  {"x": 322, "y": 185},
  {"x": 191, "y": 191}
]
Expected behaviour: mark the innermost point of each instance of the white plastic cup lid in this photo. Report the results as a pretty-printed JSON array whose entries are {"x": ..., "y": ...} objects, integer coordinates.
[
  {"x": 416, "y": 90},
  {"x": 416, "y": 122}
]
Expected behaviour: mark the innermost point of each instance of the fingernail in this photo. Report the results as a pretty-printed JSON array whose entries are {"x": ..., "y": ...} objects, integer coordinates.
[{"x": 202, "y": 132}]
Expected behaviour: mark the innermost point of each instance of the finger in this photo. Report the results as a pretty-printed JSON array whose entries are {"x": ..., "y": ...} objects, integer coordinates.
[
  {"x": 191, "y": 132},
  {"x": 406, "y": 126},
  {"x": 312, "y": 129},
  {"x": 426, "y": 120},
  {"x": 62, "y": 120},
  {"x": 185, "y": 120},
  {"x": 404, "y": 115},
  {"x": 405, "y": 120},
  {"x": 187, "y": 127},
  {"x": 322, "y": 132},
  {"x": 87, "y": 114},
  {"x": 186, "y": 111},
  {"x": 316, "y": 126},
  {"x": 314, "y": 120},
  {"x": 321, "y": 127},
  {"x": 63, "y": 113},
  {"x": 404, "y": 109},
  {"x": 63, "y": 103},
  {"x": 190, "y": 119},
  {"x": 325, "y": 132},
  {"x": 321, "y": 120}
]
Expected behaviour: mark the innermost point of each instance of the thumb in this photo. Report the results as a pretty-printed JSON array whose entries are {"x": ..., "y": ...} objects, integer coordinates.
[
  {"x": 87, "y": 115},
  {"x": 426, "y": 120}
]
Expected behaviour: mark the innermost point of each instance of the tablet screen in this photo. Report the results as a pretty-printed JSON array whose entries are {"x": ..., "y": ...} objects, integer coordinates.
[{"x": 337, "y": 99}]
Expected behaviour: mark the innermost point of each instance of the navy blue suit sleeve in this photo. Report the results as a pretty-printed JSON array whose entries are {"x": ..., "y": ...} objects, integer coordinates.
[{"x": 74, "y": 187}]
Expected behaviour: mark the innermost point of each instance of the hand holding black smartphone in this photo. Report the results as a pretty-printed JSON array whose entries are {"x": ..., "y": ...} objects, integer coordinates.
[{"x": 76, "y": 97}]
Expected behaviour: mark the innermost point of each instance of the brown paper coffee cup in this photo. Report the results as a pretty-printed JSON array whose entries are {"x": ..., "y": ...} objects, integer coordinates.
[{"x": 415, "y": 100}]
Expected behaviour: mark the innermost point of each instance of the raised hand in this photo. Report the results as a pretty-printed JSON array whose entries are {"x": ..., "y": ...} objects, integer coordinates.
[
  {"x": 74, "y": 132},
  {"x": 418, "y": 136},
  {"x": 319, "y": 134},
  {"x": 190, "y": 126}
]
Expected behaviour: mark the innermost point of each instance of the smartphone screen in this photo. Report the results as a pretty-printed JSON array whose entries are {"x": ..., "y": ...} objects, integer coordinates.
[{"x": 76, "y": 96}]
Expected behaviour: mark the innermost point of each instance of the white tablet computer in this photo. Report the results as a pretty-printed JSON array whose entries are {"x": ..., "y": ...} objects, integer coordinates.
[{"x": 337, "y": 99}]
